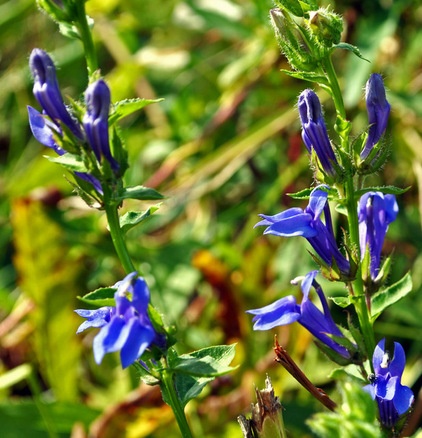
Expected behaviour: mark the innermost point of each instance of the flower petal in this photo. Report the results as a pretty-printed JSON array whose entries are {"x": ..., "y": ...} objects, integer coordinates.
[
  {"x": 281, "y": 312},
  {"x": 138, "y": 339}
]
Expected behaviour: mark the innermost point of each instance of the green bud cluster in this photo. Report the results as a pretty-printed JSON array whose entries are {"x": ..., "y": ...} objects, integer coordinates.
[{"x": 305, "y": 36}]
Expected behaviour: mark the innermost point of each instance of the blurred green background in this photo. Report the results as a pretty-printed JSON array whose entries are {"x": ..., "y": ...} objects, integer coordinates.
[{"x": 223, "y": 146}]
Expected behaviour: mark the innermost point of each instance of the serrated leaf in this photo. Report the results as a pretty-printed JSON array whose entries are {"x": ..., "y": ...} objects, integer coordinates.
[
  {"x": 126, "y": 107},
  {"x": 386, "y": 297},
  {"x": 193, "y": 371},
  {"x": 71, "y": 162},
  {"x": 341, "y": 301},
  {"x": 209, "y": 362},
  {"x": 292, "y": 6},
  {"x": 133, "y": 218},
  {"x": 141, "y": 193},
  {"x": 104, "y": 296},
  {"x": 302, "y": 194},
  {"x": 350, "y": 48},
  {"x": 306, "y": 76},
  {"x": 387, "y": 190}
]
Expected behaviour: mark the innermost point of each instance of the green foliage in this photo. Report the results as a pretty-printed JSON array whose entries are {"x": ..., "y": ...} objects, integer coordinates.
[
  {"x": 390, "y": 295},
  {"x": 194, "y": 370},
  {"x": 355, "y": 418}
]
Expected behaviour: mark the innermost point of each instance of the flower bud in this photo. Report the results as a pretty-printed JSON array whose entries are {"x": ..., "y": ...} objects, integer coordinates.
[
  {"x": 292, "y": 41},
  {"x": 314, "y": 131},
  {"x": 325, "y": 27},
  {"x": 46, "y": 91},
  {"x": 95, "y": 121},
  {"x": 378, "y": 112}
]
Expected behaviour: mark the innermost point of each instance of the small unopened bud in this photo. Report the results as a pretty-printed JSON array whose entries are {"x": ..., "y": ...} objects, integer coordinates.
[
  {"x": 95, "y": 121},
  {"x": 314, "y": 132},
  {"x": 378, "y": 112},
  {"x": 326, "y": 27},
  {"x": 292, "y": 41}
]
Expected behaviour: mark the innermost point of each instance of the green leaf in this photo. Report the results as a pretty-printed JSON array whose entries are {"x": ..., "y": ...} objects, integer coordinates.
[
  {"x": 351, "y": 48},
  {"x": 71, "y": 162},
  {"x": 386, "y": 297},
  {"x": 355, "y": 416},
  {"x": 141, "y": 193},
  {"x": 193, "y": 371},
  {"x": 306, "y": 193},
  {"x": 292, "y": 6},
  {"x": 302, "y": 194},
  {"x": 387, "y": 190},
  {"x": 133, "y": 218},
  {"x": 209, "y": 362},
  {"x": 306, "y": 76},
  {"x": 126, "y": 107},
  {"x": 341, "y": 301},
  {"x": 103, "y": 296}
]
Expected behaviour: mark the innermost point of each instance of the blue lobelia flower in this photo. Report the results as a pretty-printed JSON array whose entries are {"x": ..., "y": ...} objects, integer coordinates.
[
  {"x": 47, "y": 92},
  {"x": 376, "y": 211},
  {"x": 393, "y": 398},
  {"x": 314, "y": 131},
  {"x": 286, "y": 311},
  {"x": 378, "y": 112},
  {"x": 307, "y": 223},
  {"x": 44, "y": 131},
  {"x": 126, "y": 327},
  {"x": 95, "y": 121}
]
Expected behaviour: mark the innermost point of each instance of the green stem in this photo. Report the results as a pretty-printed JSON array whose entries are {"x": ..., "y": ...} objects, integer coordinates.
[
  {"x": 352, "y": 215},
  {"x": 167, "y": 386},
  {"x": 335, "y": 88},
  {"x": 86, "y": 38},
  {"x": 118, "y": 238}
]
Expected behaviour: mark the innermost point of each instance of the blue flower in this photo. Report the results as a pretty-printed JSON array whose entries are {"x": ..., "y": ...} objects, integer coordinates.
[
  {"x": 47, "y": 92},
  {"x": 286, "y": 311},
  {"x": 127, "y": 327},
  {"x": 95, "y": 121},
  {"x": 378, "y": 112},
  {"x": 376, "y": 211},
  {"x": 314, "y": 131},
  {"x": 45, "y": 131},
  {"x": 393, "y": 398},
  {"x": 307, "y": 223}
]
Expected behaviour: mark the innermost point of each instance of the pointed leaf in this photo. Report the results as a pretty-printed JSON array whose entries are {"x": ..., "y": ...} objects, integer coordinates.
[
  {"x": 351, "y": 48},
  {"x": 387, "y": 190},
  {"x": 133, "y": 218},
  {"x": 141, "y": 193},
  {"x": 103, "y": 296},
  {"x": 129, "y": 106},
  {"x": 193, "y": 371},
  {"x": 386, "y": 297},
  {"x": 292, "y": 6},
  {"x": 71, "y": 162},
  {"x": 341, "y": 301}
]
